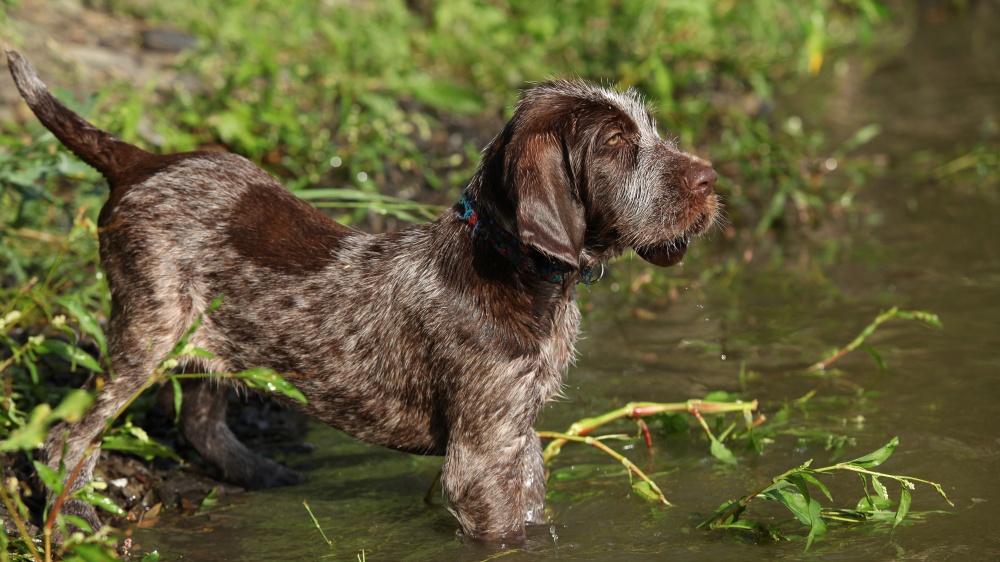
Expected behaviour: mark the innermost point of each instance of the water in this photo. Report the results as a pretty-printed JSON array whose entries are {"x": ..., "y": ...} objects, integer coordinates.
[{"x": 927, "y": 245}]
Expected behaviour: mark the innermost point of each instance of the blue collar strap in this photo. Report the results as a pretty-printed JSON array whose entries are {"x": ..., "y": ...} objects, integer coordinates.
[{"x": 523, "y": 257}]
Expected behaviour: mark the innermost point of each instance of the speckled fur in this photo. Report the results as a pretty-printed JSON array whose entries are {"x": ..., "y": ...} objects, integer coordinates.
[{"x": 422, "y": 340}]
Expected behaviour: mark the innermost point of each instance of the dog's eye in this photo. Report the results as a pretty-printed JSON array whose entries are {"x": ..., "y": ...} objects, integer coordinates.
[{"x": 614, "y": 140}]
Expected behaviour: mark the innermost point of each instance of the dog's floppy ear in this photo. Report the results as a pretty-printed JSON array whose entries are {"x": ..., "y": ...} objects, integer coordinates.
[{"x": 549, "y": 213}]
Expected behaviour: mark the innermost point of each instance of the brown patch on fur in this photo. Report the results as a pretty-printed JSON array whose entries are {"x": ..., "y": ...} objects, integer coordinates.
[{"x": 282, "y": 233}]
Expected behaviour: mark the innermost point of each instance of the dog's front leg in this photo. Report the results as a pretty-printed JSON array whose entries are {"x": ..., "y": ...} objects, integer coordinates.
[
  {"x": 533, "y": 469},
  {"x": 494, "y": 483}
]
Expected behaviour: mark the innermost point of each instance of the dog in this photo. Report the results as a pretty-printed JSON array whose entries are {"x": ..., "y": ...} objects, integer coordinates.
[{"x": 444, "y": 338}]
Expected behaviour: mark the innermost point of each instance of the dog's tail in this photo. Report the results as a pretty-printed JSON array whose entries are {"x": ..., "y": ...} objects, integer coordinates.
[{"x": 95, "y": 147}]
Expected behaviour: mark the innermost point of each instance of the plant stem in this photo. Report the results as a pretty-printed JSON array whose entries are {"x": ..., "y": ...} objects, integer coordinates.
[
  {"x": 634, "y": 410},
  {"x": 893, "y": 312},
  {"x": 15, "y": 515},
  {"x": 316, "y": 523},
  {"x": 614, "y": 454},
  {"x": 869, "y": 329},
  {"x": 858, "y": 469},
  {"x": 736, "y": 506}
]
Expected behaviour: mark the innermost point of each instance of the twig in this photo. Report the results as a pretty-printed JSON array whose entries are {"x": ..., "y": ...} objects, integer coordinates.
[
  {"x": 594, "y": 442},
  {"x": 746, "y": 499},
  {"x": 429, "y": 496},
  {"x": 644, "y": 430},
  {"x": 893, "y": 312},
  {"x": 315, "y": 522},
  {"x": 16, "y": 516},
  {"x": 635, "y": 410}
]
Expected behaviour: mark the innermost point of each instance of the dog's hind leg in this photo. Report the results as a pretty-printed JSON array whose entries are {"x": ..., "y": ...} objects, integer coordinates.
[
  {"x": 203, "y": 422},
  {"x": 136, "y": 352},
  {"x": 138, "y": 343}
]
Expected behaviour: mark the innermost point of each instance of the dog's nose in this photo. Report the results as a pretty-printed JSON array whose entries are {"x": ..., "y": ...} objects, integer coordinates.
[{"x": 700, "y": 179}]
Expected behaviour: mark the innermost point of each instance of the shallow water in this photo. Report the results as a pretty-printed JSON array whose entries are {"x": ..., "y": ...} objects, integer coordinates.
[{"x": 927, "y": 245}]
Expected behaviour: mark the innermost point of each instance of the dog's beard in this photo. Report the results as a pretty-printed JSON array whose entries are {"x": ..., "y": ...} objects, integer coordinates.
[{"x": 667, "y": 254}]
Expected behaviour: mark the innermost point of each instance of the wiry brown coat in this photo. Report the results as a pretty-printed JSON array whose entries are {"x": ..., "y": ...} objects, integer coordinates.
[{"x": 424, "y": 340}]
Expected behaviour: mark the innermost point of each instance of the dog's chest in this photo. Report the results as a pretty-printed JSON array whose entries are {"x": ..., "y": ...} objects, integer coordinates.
[{"x": 558, "y": 351}]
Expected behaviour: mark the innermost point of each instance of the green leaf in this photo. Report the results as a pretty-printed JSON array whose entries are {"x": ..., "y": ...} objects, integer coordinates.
[
  {"x": 232, "y": 127},
  {"x": 645, "y": 491},
  {"x": 860, "y": 137},
  {"x": 815, "y": 482},
  {"x": 145, "y": 448},
  {"x": 199, "y": 352},
  {"x": 51, "y": 478},
  {"x": 269, "y": 380},
  {"x": 183, "y": 341},
  {"x": 90, "y": 552},
  {"x": 722, "y": 453},
  {"x": 874, "y": 505},
  {"x": 209, "y": 502},
  {"x": 86, "y": 321},
  {"x": 73, "y": 406},
  {"x": 904, "y": 507},
  {"x": 879, "y": 488},
  {"x": 178, "y": 398},
  {"x": 786, "y": 494},
  {"x": 879, "y": 361},
  {"x": 442, "y": 94},
  {"x": 722, "y": 396},
  {"x": 100, "y": 500},
  {"x": 70, "y": 353},
  {"x": 77, "y": 521},
  {"x": 151, "y": 557},
  {"x": 32, "y": 434},
  {"x": 713, "y": 522},
  {"x": 800, "y": 485},
  {"x": 817, "y": 527},
  {"x": 760, "y": 528},
  {"x": 873, "y": 459}
]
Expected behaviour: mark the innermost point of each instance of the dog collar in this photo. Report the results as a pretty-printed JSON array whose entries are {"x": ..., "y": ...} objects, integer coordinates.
[{"x": 522, "y": 256}]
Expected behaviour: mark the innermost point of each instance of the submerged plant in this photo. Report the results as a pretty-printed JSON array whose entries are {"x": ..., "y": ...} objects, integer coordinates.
[{"x": 792, "y": 490}]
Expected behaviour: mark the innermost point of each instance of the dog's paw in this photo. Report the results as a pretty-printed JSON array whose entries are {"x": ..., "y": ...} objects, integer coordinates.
[
  {"x": 281, "y": 476},
  {"x": 80, "y": 509},
  {"x": 260, "y": 473}
]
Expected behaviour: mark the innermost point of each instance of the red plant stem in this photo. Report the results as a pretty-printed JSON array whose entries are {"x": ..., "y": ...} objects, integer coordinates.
[
  {"x": 636, "y": 410},
  {"x": 645, "y": 434},
  {"x": 57, "y": 505}
]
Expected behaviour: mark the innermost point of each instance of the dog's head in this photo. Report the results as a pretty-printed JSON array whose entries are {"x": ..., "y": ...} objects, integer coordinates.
[{"x": 580, "y": 173}]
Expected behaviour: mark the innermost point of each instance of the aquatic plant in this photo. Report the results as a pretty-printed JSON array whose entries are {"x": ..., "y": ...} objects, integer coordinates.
[{"x": 790, "y": 488}]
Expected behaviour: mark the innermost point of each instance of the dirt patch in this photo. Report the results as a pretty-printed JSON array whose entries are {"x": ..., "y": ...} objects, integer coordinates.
[{"x": 80, "y": 48}]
